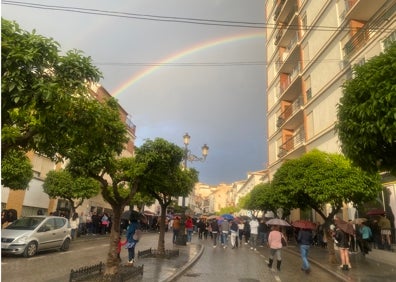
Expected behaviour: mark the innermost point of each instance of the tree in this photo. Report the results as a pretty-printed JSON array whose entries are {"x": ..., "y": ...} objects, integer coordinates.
[
  {"x": 164, "y": 179},
  {"x": 228, "y": 210},
  {"x": 16, "y": 170},
  {"x": 63, "y": 185},
  {"x": 318, "y": 178},
  {"x": 42, "y": 96},
  {"x": 367, "y": 113},
  {"x": 262, "y": 198},
  {"x": 99, "y": 158}
]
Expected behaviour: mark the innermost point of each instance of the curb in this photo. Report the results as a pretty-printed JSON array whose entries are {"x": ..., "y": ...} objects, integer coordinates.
[{"x": 184, "y": 268}]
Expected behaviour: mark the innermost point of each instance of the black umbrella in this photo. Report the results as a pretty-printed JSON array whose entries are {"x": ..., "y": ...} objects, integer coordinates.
[{"x": 132, "y": 214}]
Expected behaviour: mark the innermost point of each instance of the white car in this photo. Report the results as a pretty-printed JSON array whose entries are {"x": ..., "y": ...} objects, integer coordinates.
[{"x": 29, "y": 235}]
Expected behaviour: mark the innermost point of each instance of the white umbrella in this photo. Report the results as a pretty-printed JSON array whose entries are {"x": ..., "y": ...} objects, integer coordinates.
[{"x": 277, "y": 221}]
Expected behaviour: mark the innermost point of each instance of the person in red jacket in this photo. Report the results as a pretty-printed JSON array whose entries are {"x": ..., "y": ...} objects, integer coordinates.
[
  {"x": 120, "y": 244},
  {"x": 189, "y": 228}
]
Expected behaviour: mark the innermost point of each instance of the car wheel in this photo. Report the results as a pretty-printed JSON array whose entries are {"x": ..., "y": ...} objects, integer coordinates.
[
  {"x": 30, "y": 250},
  {"x": 66, "y": 244}
]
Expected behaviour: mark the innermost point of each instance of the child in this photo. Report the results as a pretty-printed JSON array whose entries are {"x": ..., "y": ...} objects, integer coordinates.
[{"x": 120, "y": 244}]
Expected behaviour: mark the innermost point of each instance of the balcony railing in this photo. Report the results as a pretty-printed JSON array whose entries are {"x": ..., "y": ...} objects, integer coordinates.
[
  {"x": 289, "y": 111},
  {"x": 278, "y": 9},
  {"x": 291, "y": 143},
  {"x": 361, "y": 37},
  {"x": 130, "y": 124}
]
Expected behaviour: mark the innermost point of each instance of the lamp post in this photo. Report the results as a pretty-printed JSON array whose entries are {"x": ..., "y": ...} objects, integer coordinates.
[{"x": 188, "y": 156}]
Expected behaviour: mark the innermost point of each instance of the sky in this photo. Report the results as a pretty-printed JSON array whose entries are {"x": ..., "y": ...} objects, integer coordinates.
[{"x": 173, "y": 72}]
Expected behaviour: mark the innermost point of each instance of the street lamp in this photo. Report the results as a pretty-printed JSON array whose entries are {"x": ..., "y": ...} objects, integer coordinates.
[{"x": 188, "y": 156}]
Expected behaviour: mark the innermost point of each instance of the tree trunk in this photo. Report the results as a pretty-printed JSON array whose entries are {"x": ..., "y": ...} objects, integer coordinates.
[
  {"x": 161, "y": 238},
  {"x": 330, "y": 247},
  {"x": 112, "y": 263}
]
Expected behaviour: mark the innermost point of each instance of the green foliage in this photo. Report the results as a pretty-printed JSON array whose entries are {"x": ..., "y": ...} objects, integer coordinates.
[
  {"x": 164, "y": 176},
  {"x": 45, "y": 106},
  {"x": 367, "y": 114},
  {"x": 244, "y": 202},
  {"x": 318, "y": 178},
  {"x": 140, "y": 199},
  {"x": 63, "y": 185},
  {"x": 16, "y": 170},
  {"x": 228, "y": 210}
]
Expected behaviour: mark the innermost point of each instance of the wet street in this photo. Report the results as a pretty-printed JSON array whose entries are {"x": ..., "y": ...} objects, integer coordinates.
[{"x": 245, "y": 265}]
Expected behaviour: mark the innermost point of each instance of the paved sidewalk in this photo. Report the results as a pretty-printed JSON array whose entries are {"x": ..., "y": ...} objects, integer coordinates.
[
  {"x": 159, "y": 269},
  {"x": 378, "y": 265}
]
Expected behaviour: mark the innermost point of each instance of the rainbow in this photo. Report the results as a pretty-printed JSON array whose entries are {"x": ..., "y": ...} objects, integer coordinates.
[{"x": 196, "y": 48}]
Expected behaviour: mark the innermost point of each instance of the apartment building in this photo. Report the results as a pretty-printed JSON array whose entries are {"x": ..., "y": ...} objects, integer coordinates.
[
  {"x": 311, "y": 48},
  {"x": 29, "y": 201}
]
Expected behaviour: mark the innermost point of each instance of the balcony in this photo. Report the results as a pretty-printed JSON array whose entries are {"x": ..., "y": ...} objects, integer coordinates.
[
  {"x": 289, "y": 111},
  {"x": 292, "y": 143},
  {"x": 360, "y": 38},
  {"x": 287, "y": 30},
  {"x": 278, "y": 9},
  {"x": 130, "y": 125},
  {"x": 283, "y": 9},
  {"x": 362, "y": 10}
]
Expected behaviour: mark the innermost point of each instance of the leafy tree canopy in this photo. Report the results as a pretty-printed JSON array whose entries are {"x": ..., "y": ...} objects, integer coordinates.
[
  {"x": 367, "y": 114},
  {"x": 318, "y": 178},
  {"x": 62, "y": 184},
  {"x": 16, "y": 170},
  {"x": 164, "y": 174}
]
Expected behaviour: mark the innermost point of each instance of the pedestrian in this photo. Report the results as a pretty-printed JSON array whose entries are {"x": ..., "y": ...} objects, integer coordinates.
[
  {"x": 132, "y": 237},
  {"x": 385, "y": 225},
  {"x": 241, "y": 226},
  {"x": 214, "y": 226},
  {"x": 74, "y": 223},
  {"x": 254, "y": 224},
  {"x": 234, "y": 234},
  {"x": 82, "y": 227},
  {"x": 275, "y": 245},
  {"x": 189, "y": 228},
  {"x": 263, "y": 233},
  {"x": 119, "y": 246},
  {"x": 364, "y": 238},
  {"x": 376, "y": 230},
  {"x": 246, "y": 232},
  {"x": 206, "y": 231},
  {"x": 95, "y": 223},
  {"x": 342, "y": 242},
  {"x": 305, "y": 240},
  {"x": 176, "y": 229},
  {"x": 104, "y": 223},
  {"x": 225, "y": 229},
  {"x": 89, "y": 223},
  {"x": 201, "y": 228}
]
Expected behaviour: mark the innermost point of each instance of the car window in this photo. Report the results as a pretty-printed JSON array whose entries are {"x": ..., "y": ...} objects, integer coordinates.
[
  {"x": 50, "y": 224},
  {"x": 25, "y": 223},
  {"x": 60, "y": 222}
]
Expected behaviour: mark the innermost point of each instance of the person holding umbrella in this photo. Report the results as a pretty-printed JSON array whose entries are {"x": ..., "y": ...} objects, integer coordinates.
[
  {"x": 341, "y": 237},
  {"x": 305, "y": 240}
]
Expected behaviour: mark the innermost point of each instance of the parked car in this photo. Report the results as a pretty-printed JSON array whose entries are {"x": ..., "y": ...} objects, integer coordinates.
[{"x": 29, "y": 235}]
